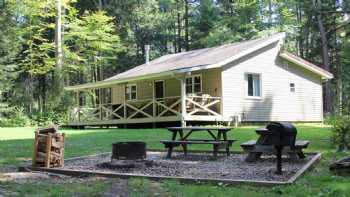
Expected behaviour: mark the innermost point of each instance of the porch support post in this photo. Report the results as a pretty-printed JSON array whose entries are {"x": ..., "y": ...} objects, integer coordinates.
[
  {"x": 183, "y": 101},
  {"x": 154, "y": 100},
  {"x": 124, "y": 103}
]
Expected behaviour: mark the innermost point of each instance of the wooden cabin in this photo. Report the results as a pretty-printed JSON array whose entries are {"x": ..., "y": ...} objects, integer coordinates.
[{"x": 247, "y": 81}]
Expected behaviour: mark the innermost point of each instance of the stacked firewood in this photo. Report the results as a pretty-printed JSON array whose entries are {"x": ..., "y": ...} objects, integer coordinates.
[{"x": 48, "y": 148}]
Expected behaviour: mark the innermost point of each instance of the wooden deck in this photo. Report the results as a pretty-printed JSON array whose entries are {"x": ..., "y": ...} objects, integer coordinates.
[{"x": 198, "y": 108}]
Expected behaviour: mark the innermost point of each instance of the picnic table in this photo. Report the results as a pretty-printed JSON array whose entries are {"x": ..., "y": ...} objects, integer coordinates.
[
  {"x": 256, "y": 148},
  {"x": 181, "y": 137}
]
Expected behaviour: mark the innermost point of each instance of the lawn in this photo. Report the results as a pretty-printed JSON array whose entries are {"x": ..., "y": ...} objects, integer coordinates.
[{"x": 16, "y": 147}]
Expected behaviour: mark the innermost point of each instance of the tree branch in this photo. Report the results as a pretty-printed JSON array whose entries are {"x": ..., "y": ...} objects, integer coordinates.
[{"x": 338, "y": 27}]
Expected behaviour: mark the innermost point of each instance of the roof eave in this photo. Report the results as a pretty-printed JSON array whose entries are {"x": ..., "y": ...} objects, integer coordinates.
[
  {"x": 104, "y": 84},
  {"x": 244, "y": 53},
  {"x": 325, "y": 75}
]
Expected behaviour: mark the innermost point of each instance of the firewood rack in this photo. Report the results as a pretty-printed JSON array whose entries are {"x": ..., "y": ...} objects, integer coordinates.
[{"x": 48, "y": 148}]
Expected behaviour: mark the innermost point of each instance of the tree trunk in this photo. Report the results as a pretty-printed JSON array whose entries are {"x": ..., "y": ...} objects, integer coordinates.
[
  {"x": 339, "y": 71},
  {"x": 270, "y": 13},
  {"x": 325, "y": 58},
  {"x": 187, "y": 39},
  {"x": 58, "y": 35},
  {"x": 99, "y": 5},
  {"x": 178, "y": 26}
]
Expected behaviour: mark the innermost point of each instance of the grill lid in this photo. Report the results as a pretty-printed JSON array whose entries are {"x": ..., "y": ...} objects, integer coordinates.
[{"x": 282, "y": 134}]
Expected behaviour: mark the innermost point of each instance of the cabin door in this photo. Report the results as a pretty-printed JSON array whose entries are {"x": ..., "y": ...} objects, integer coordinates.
[
  {"x": 159, "y": 95},
  {"x": 159, "y": 89}
]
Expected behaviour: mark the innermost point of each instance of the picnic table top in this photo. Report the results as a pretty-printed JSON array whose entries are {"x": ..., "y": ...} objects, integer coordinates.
[
  {"x": 261, "y": 131},
  {"x": 199, "y": 128}
]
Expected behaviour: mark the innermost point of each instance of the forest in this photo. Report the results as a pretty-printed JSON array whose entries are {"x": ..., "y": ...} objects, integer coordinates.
[{"x": 46, "y": 45}]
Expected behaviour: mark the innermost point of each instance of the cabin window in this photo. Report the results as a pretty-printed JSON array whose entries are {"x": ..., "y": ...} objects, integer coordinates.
[
  {"x": 130, "y": 92},
  {"x": 253, "y": 85},
  {"x": 194, "y": 84},
  {"x": 292, "y": 87}
]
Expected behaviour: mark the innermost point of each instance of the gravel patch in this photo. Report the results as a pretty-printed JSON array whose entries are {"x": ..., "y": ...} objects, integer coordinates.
[{"x": 199, "y": 165}]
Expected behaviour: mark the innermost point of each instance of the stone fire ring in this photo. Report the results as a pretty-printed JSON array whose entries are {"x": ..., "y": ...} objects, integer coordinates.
[{"x": 81, "y": 173}]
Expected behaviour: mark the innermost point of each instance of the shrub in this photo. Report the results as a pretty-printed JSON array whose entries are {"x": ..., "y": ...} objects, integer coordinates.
[
  {"x": 43, "y": 119},
  {"x": 15, "y": 119},
  {"x": 340, "y": 131}
]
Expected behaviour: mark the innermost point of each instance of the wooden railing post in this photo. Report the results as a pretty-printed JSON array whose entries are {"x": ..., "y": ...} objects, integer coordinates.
[
  {"x": 124, "y": 110},
  {"x": 154, "y": 108},
  {"x": 183, "y": 102},
  {"x": 100, "y": 111},
  {"x": 154, "y": 114}
]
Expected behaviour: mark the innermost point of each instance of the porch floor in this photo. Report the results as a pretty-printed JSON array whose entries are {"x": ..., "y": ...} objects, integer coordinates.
[{"x": 150, "y": 120}]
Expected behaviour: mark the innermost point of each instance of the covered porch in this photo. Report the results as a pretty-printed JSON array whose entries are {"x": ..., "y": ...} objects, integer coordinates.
[{"x": 191, "y": 97}]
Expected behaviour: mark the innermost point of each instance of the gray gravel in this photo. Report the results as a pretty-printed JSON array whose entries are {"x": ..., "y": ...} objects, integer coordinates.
[{"x": 201, "y": 165}]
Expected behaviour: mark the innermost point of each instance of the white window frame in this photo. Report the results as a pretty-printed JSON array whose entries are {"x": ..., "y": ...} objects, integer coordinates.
[
  {"x": 126, "y": 93},
  {"x": 201, "y": 83},
  {"x": 246, "y": 86}
]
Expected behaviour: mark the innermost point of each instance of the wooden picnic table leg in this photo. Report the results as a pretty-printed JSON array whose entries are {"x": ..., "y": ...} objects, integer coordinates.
[
  {"x": 211, "y": 134},
  {"x": 301, "y": 154},
  {"x": 227, "y": 145},
  {"x": 253, "y": 156},
  {"x": 218, "y": 137},
  {"x": 170, "y": 148},
  {"x": 216, "y": 149},
  {"x": 184, "y": 146}
]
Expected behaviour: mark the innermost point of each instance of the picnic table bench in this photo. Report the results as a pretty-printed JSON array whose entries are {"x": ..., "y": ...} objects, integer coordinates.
[
  {"x": 256, "y": 148},
  {"x": 180, "y": 137}
]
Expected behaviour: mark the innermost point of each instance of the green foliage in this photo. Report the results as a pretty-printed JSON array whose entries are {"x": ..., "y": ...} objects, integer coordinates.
[
  {"x": 90, "y": 41},
  {"x": 50, "y": 117},
  {"x": 9, "y": 47},
  {"x": 38, "y": 54},
  {"x": 103, "y": 38},
  {"x": 16, "y": 118},
  {"x": 340, "y": 131},
  {"x": 220, "y": 35}
]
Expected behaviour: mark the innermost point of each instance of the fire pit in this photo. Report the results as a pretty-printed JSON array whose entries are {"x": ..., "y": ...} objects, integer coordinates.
[
  {"x": 129, "y": 150},
  {"x": 127, "y": 155}
]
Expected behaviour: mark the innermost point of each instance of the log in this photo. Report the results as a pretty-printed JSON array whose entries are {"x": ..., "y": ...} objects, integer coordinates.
[
  {"x": 341, "y": 167},
  {"x": 48, "y": 149}
]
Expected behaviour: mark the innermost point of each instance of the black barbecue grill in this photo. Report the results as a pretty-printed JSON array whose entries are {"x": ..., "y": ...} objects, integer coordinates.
[{"x": 281, "y": 135}]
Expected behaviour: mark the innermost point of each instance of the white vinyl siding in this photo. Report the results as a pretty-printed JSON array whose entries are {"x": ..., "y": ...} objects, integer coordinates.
[{"x": 278, "y": 102}]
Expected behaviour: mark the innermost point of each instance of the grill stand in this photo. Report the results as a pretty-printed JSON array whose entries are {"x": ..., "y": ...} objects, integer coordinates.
[{"x": 279, "y": 159}]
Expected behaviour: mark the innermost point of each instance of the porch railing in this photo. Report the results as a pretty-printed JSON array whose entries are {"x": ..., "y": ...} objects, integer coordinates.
[
  {"x": 148, "y": 108},
  {"x": 203, "y": 105}
]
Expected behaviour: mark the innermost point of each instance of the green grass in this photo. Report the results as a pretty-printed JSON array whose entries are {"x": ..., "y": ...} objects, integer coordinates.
[
  {"x": 16, "y": 147},
  {"x": 41, "y": 189}
]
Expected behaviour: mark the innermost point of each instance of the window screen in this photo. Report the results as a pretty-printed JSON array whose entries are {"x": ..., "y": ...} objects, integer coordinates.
[{"x": 254, "y": 85}]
